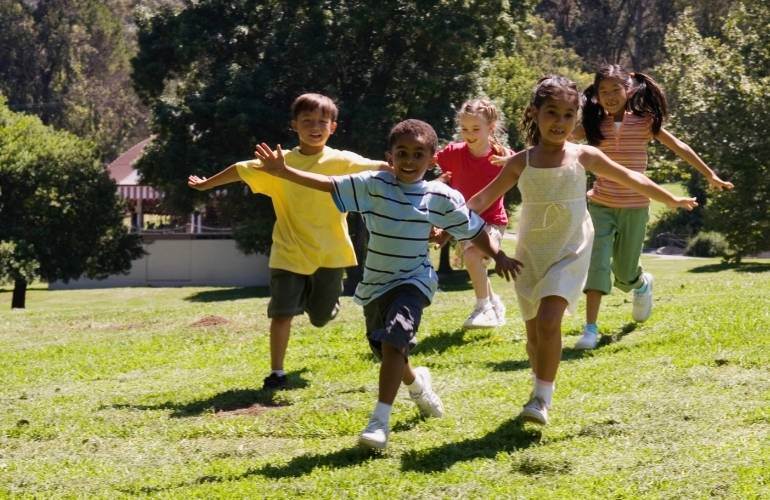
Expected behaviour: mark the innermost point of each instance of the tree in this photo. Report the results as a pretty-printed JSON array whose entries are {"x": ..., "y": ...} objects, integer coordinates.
[
  {"x": 220, "y": 75},
  {"x": 719, "y": 89},
  {"x": 60, "y": 217},
  {"x": 67, "y": 62}
]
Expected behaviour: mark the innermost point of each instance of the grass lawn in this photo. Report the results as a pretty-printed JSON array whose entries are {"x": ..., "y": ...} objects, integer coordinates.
[{"x": 141, "y": 391}]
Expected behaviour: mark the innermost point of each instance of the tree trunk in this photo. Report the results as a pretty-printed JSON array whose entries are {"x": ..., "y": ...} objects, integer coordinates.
[
  {"x": 444, "y": 265},
  {"x": 19, "y": 294}
]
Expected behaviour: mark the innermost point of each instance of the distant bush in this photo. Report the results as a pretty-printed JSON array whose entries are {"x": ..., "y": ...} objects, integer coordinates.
[{"x": 707, "y": 244}]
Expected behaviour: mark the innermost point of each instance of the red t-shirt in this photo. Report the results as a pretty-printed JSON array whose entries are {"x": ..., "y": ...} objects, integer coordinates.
[{"x": 471, "y": 174}]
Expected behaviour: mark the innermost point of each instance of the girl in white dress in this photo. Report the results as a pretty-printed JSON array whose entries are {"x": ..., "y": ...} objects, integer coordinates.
[{"x": 555, "y": 230}]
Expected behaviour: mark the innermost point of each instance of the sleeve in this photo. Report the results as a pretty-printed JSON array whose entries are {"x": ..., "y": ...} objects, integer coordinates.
[
  {"x": 350, "y": 193},
  {"x": 357, "y": 163},
  {"x": 257, "y": 180},
  {"x": 451, "y": 214}
]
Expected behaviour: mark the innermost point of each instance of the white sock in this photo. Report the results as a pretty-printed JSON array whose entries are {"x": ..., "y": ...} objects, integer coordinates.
[
  {"x": 280, "y": 373},
  {"x": 544, "y": 390},
  {"x": 416, "y": 386},
  {"x": 496, "y": 299},
  {"x": 382, "y": 413},
  {"x": 482, "y": 302}
]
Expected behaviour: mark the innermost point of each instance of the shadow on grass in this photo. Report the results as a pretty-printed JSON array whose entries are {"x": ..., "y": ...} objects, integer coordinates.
[
  {"x": 227, "y": 401},
  {"x": 570, "y": 353},
  {"x": 743, "y": 267},
  {"x": 509, "y": 366},
  {"x": 239, "y": 293},
  {"x": 455, "y": 281},
  {"x": 510, "y": 436},
  {"x": 298, "y": 466},
  {"x": 305, "y": 464},
  {"x": 440, "y": 342}
]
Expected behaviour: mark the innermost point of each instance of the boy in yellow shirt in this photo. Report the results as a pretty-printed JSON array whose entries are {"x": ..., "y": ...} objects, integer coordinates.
[{"x": 311, "y": 246}]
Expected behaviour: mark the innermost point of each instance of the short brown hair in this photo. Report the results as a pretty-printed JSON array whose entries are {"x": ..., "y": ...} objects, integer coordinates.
[
  {"x": 418, "y": 129},
  {"x": 310, "y": 102}
]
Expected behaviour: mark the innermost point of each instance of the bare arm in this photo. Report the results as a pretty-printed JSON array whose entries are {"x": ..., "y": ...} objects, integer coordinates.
[
  {"x": 505, "y": 180},
  {"x": 226, "y": 176},
  {"x": 504, "y": 265},
  {"x": 274, "y": 163},
  {"x": 686, "y": 153},
  {"x": 598, "y": 163}
]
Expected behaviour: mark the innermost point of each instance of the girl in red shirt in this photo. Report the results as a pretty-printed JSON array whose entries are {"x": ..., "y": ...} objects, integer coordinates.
[{"x": 467, "y": 168}]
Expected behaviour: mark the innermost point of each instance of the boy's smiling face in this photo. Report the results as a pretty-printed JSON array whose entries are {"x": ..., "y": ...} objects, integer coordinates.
[
  {"x": 410, "y": 158},
  {"x": 313, "y": 128}
]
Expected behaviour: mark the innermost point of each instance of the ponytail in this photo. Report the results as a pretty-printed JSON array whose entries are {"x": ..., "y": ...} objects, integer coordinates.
[
  {"x": 593, "y": 114},
  {"x": 648, "y": 98}
]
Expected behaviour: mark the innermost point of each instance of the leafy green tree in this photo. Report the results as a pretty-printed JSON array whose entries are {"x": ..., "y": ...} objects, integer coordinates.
[
  {"x": 67, "y": 61},
  {"x": 60, "y": 217},
  {"x": 719, "y": 89},
  {"x": 221, "y": 75}
]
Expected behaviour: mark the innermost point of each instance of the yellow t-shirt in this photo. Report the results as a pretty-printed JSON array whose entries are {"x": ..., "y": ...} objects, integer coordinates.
[{"x": 309, "y": 232}]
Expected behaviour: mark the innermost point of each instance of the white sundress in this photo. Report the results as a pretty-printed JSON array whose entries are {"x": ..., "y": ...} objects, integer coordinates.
[{"x": 554, "y": 237}]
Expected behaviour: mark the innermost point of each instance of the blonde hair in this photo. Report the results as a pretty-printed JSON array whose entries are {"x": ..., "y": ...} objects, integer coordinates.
[{"x": 488, "y": 111}]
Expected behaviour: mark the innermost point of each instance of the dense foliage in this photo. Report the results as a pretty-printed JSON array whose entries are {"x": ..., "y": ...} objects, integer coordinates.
[{"x": 60, "y": 217}]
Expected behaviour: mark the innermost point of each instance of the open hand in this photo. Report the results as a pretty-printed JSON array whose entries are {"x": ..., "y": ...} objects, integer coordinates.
[
  {"x": 196, "y": 182},
  {"x": 683, "y": 202},
  {"x": 500, "y": 161},
  {"x": 272, "y": 162},
  {"x": 507, "y": 267},
  {"x": 718, "y": 184}
]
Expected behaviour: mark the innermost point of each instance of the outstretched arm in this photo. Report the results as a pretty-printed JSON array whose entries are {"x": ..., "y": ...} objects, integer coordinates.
[
  {"x": 505, "y": 266},
  {"x": 505, "y": 180},
  {"x": 686, "y": 153},
  {"x": 226, "y": 176},
  {"x": 274, "y": 163},
  {"x": 598, "y": 163}
]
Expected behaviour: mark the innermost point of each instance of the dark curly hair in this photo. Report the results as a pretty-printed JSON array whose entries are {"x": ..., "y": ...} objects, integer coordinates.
[{"x": 418, "y": 129}]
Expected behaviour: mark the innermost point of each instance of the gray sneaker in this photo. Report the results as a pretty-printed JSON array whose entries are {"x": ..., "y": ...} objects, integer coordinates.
[
  {"x": 642, "y": 306},
  {"x": 535, "y": 411},
  {"x": 427, "y": 401},
  {"x": 374, "y": 435}
]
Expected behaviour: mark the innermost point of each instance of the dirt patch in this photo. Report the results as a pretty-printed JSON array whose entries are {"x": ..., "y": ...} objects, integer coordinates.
[
  {"x": 253, "y": 410},
  {"x": 207, "y": 321}
]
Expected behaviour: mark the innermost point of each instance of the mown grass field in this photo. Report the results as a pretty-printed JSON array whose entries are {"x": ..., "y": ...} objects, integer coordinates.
[{"x": 139, "y": 391}]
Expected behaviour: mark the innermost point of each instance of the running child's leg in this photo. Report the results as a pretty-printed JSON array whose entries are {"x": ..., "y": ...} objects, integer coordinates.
[
  {"x": 546, "y": 354},
  {"x": 483, "y": 314}
]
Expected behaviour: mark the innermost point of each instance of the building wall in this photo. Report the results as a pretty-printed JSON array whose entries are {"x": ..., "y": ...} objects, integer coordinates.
[{"x": 183, "y": 262}]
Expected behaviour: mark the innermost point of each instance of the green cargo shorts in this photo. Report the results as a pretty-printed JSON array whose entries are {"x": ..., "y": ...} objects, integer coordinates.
[{"x": 618, "y": 239}]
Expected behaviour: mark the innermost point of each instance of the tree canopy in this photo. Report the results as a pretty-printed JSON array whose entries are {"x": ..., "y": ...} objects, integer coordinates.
[{"x": 61, "y": 217}]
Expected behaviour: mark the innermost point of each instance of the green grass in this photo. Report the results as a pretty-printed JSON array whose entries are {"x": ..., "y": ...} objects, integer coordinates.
[{"x": 116, "y": 393}]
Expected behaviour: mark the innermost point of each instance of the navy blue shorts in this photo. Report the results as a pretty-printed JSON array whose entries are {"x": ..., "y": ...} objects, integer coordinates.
[{"x": 394, "y": 318}]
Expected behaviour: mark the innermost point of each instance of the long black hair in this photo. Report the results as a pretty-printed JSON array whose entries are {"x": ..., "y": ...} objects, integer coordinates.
[{"x": 645, "y": 97}]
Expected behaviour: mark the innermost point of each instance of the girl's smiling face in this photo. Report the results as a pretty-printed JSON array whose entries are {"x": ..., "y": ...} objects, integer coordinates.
[
  {"x": 613, "y": 95},
  {"x": 556, "y": 119},
  {"x": 475, "y": 131}
]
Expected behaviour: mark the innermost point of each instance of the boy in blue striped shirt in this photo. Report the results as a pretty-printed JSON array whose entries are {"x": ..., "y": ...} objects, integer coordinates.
[{"x": 399, "y": 209}]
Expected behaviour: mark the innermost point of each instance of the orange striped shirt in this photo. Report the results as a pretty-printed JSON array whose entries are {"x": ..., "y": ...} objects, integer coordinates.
[{"x": 627, "y": 145}]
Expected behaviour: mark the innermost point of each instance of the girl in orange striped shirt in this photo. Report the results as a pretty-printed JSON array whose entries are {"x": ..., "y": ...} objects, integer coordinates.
[{"x": 623, "y": 112}]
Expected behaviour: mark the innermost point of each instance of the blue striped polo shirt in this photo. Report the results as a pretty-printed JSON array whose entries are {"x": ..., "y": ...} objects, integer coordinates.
[{"x": 399, "y": 217}]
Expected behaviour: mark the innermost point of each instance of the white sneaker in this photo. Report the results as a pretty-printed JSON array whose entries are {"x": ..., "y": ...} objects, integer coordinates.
[
  {"x": 642, "y": 307},
  {"x": 375, "y": 435},
  {"x": 588, "y": 340},
  {"x": 427, "y": 401},
  {"x": 482, "y": 317},
  {"x": 535, "y": 411},
  {"x": 497, "y": 303}
]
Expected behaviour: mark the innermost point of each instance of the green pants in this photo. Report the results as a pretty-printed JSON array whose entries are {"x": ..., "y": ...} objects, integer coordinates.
[{"x": 618, "y": 238}]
